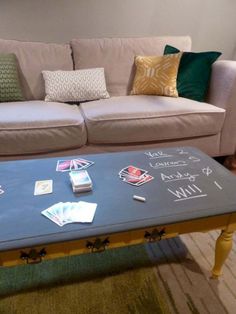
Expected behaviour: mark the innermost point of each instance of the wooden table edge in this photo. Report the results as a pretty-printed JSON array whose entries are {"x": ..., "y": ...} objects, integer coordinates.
[{"x": 226, "y": 223}]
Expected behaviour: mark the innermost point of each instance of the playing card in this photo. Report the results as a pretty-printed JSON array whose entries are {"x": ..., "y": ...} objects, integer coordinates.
[
  {"x": 81, "y": 163},
  {"x": 79, "y": 212},
  {"x": 68, "y": 207},
  {"x": 131, "y": 179},
  {"x": 63, "y": 165},
  {"x": 145, "y": 179},
  {"x": 57, "y": 211},
  {"x": 49, "y": 213},
  {"x": 125, "y": 175},
  {"x": 43, "y": 187},
  {"x": 74, "y": 165},
  {"x": 133, "y": 171},
  {"x": 139, "y": 181}
]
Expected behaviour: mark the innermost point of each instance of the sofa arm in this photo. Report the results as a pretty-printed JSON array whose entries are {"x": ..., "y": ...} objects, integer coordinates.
[{"x": 222, "y": 93}]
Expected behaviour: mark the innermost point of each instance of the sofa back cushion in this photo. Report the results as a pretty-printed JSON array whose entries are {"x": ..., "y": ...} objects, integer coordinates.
[
  {"x": 116, "y": 56},
  {"x": 32, "y": 59}
]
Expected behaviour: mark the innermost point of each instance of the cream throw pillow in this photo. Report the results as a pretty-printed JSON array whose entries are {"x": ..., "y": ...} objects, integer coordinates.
[
  {"x": 156, "y": 75},
  {"x": 79, "y": 85}
]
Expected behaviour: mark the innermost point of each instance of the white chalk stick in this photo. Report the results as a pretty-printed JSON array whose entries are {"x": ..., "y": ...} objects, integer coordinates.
[{"x": 139, "y": 198}]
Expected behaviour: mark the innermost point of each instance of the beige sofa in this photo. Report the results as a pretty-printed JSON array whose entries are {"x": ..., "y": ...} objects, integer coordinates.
[{"x": 122, "y": 122}]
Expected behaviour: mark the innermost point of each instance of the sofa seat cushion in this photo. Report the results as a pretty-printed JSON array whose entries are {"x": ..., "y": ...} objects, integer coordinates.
[
  {"x": 30, "y": 127},
  {"x": 132, "y": 119}
]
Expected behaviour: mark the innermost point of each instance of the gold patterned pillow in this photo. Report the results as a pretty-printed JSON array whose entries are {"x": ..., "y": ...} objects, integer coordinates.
[{"x": 156, "y": 75}]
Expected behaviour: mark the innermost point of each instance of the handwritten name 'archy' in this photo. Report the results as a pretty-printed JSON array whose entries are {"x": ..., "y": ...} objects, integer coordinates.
[
  {"x": 166, "y": 164},
  {"x": 178, "y": 176}
]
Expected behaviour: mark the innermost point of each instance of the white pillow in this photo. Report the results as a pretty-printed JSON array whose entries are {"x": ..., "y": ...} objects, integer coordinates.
[{"x": 79, "y": 85}]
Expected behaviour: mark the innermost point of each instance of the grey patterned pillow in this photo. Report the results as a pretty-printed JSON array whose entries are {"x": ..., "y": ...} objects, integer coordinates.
[
  {"x": 10, "y": 89},
  {"x": 79, "y": 85}
]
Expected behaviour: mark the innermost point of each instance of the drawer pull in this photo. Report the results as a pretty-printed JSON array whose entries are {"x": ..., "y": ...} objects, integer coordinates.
[
  {"x": 98, "y": 245},
  {"x": 154, "y": 235},
  {"x": 33, "y": 256}
]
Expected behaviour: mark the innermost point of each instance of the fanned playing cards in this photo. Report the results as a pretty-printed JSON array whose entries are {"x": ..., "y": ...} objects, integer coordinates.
[
  {"x": 70, "y": 212},
  {"x": 73, "y": 164},
  {"x": 134, "y": 175}
]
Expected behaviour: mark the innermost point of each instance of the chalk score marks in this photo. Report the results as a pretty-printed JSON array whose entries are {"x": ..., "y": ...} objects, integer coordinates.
[
  {"x": 181, "y": 151},
  {"x": 186, "y": 193},
  {"x": 194, "y": 159},
  {"x": 178, "y": 176},
  {"x": 207, "y": 171},
  {"x": 218, "y": 185}
]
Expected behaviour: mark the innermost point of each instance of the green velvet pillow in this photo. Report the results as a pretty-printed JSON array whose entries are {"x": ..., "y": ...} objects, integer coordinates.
[
  {"x": 194, "y": 72},
  {"x": 10, "y": 89}
]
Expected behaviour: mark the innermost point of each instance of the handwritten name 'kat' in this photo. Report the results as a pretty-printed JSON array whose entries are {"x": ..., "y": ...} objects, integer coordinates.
[{"x": 159, "y": 154}]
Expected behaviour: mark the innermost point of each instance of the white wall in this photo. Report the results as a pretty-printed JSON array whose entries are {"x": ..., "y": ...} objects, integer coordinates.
[{"x": 210, "y": 23}]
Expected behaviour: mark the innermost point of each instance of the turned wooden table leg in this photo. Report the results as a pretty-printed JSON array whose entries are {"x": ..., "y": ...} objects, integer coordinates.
[{"x": 223, "y": 247}]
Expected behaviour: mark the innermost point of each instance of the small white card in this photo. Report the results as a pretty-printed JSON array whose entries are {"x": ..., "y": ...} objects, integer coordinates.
[{"x": 43, "y": 187}]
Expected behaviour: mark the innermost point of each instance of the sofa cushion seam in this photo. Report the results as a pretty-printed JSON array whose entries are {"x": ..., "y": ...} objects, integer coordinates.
[
  {"x": 154, "y": 117},
  {"x": 42, "y": 128}
]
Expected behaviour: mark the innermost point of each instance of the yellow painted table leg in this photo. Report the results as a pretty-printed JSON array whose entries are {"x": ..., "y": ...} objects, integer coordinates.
[{"x": 223, "y": 247}]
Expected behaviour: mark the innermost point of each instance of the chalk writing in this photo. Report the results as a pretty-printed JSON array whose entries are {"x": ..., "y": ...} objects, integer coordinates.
[
  {"x": 219, "y": 186},
  {"x": 178, "y": 176},
  {"x": 194, "y": 159},
  {"x": 181, "y": 151},
  {"x": 207, "y": 171},
  {"x": 167, "y": 164},
  {"x": 186, "y": 193},
  {"x": 158, "y": 154},
  {"x": 1, "y": 190}
]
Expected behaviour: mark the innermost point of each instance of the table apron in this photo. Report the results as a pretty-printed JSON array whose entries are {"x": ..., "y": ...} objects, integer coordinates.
[{"x": 61, "y": 249}]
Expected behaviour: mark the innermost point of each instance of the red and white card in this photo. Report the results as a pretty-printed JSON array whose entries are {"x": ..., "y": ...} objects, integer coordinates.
[{"x": 134, "y": 175}]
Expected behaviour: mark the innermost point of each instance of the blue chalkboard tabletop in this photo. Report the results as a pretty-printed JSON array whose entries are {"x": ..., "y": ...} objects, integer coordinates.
[{"x": 187, "y": 185}]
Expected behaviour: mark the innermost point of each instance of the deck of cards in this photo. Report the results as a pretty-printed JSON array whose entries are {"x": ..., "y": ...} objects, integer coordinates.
[
  {"x": 134, "y": 175},
  {"x": 70, "y": 212},
  {"x": 73, "y": 164},
  {"x": 80, "y": 181}
]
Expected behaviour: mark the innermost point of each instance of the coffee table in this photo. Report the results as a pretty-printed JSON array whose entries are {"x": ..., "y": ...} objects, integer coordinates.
[{"x": 190, "y": 192}]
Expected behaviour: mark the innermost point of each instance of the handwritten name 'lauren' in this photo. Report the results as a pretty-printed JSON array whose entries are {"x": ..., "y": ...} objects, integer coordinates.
[{"x": 167, "y": 164}]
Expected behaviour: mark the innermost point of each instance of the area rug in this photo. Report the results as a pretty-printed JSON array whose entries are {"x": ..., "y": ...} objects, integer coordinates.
[
  {"x": 170, "y": 276},
  {"x": 116, "y": 281}
]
